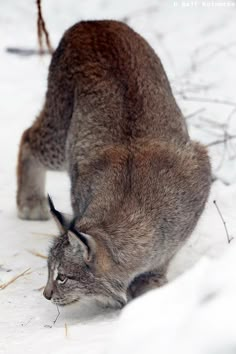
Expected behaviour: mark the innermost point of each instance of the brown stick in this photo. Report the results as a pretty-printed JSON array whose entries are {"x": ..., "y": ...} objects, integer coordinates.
[{"x": 42, "y": 30}]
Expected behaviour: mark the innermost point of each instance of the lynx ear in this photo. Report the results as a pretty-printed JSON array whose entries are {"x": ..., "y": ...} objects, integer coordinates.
[
  {"x": 61, "y": 220},
  {"x": 83, "y": 242}
]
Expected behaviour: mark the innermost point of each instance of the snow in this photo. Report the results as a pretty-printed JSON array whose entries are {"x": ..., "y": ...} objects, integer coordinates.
[{"x": 195, "y": 313}]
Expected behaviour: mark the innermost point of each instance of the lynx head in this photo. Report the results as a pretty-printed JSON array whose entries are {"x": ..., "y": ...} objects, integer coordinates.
[{"x": 76, "y": 269}]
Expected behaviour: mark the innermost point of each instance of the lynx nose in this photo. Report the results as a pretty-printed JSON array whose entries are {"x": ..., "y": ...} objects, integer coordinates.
[{"x": 48, "y": 292}]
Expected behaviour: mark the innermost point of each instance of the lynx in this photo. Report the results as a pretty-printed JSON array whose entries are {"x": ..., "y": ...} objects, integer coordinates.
[{"x": 138, "y": 183}]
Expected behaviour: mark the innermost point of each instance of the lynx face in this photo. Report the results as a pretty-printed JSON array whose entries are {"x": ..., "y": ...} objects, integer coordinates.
[
  {"x": 69, "y": 278},
  {"x": 73, "y": 269}
]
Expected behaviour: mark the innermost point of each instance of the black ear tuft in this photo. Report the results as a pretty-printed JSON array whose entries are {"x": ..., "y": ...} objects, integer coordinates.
[
  {"x": 63, "y": 221},
  {"x": 50, "y": 202},
  {"x": 72, "y": 225},
  {"x": 55, "y": 213}
]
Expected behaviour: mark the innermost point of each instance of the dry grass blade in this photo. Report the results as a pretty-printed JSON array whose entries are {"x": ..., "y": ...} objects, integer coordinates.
[
  {"x": 42, "y": 234},
  {"x": 3, "y": 286},
  {"x": 37, "y": 254},
  {"x": 41, "y": 288},
  {"x": 66, "y": 330}
]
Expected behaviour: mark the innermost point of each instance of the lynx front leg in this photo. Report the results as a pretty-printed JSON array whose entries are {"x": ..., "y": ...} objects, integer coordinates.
[
  {"x": 146, "y": 282},
  {"x": 31, "y": 201}
]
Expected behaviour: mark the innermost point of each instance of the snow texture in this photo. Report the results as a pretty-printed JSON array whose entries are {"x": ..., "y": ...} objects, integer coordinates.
[{"x": 195, "y": 313}]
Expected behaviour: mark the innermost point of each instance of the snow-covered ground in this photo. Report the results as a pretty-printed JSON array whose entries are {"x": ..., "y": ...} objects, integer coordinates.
[{"x": 195, "y": 313}]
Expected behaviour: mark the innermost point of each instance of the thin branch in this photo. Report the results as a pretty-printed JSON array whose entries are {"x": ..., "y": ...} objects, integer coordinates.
[
  {"x": 216, "y": 178},
  {"x": 229, "y": 239},
  {"x": 212, "y": 123},
  {"x": 207, "y": 100},
  {"x": 193, "y": 114},
  {"x": 26, "y": 51},
  {"x": 219, "y": 48},
  {"x": 42, "y": 30},
  {"x": 148, "y": 10},
  {"x": 221, "y": 141},
  {"x": 58, "y": 314}
]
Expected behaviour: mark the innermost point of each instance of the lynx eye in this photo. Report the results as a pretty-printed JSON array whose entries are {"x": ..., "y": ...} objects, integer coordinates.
[{"x": 61, "y": 278}]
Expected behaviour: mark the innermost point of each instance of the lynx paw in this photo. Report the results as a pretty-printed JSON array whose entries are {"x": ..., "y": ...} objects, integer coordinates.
[
  {"x": 36, "y": 209},
  {"x": 144, "y": 283}
]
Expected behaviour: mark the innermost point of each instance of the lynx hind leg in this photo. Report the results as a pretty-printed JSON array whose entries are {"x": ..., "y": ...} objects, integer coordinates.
[
  {"x": 38, "y": 152},
  {"x": 146, "y": 282},
  {"x": 43, "y": 145},
  {"x": 31, "y": 201}
]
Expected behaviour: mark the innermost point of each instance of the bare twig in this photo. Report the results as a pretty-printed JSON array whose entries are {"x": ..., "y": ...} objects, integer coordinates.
[
  {"x": 207, "y": 100},
  {"x": 42, "y": 30},
  {"x": 231, "y": 150},
  {"x": 218, "y": 133},
  {"x": 3, "y": 286},
  {"x": 223, "y": 137},
  {"x": 58, "y": 314},
  {"x": 229, "y": 239},
  {"x": 190, "y": 87},
  {"x": 215, "y": 178},
  {"x": 47, "y": 326},
  {"x": 193, "y": 114},
  {"x": 213, "y": 124},
  {"x": 140, "y": 12},
  {"x": 196, "y": 64},
  {"x": 219, "y": 49},
  {"x": 26, "y": 51},
  {"x": 222, "y": 141}
]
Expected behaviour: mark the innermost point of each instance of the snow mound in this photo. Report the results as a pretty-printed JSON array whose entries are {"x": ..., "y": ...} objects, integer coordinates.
[{"x": 195, "y": 314}]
